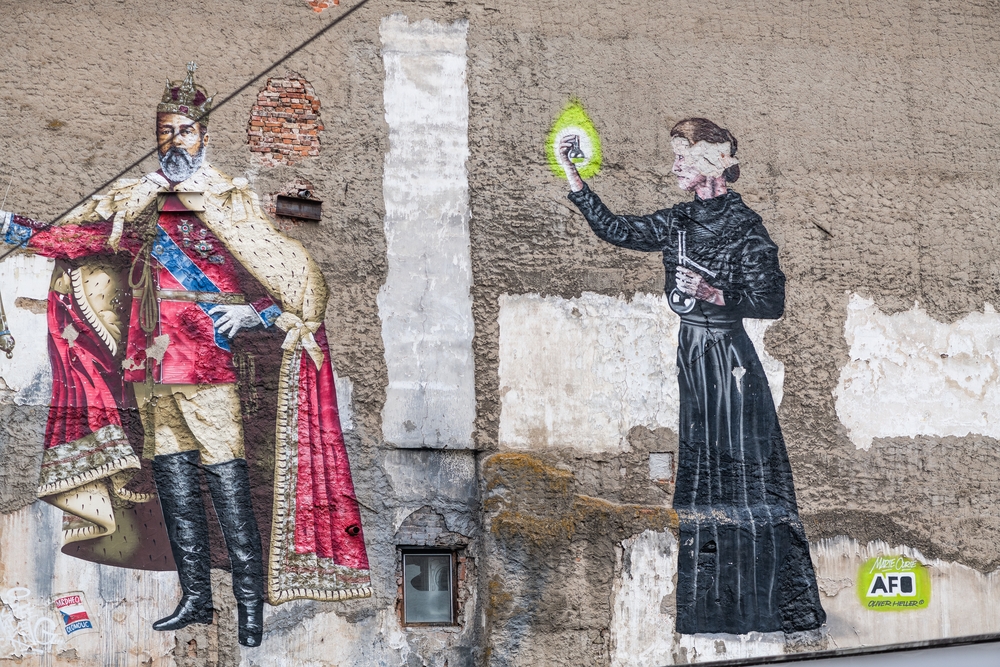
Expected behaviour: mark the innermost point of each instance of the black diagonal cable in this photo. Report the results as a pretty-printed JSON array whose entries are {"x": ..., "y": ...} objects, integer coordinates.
[{"x": 215, "y": 107}]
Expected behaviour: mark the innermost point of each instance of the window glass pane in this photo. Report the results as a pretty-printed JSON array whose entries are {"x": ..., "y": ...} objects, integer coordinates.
[{"x": 427, "y": 588}]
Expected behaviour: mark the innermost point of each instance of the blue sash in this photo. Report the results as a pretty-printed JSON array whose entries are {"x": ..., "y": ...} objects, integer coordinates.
[{"x": 187, "y": 273}]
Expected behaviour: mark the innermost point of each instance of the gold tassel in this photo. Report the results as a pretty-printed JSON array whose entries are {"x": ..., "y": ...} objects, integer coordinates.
[{"x": 144, "y": 287}]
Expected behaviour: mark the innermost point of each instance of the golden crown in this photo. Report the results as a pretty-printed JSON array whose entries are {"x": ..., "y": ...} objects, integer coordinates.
[{"x": 186, "y": 98}]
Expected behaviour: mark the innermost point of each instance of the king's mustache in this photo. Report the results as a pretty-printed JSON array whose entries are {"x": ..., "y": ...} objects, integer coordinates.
[{"x": 176, "y": 153}]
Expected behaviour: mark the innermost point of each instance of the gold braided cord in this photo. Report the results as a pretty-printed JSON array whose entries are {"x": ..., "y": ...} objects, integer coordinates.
[{"x": 149, "y": 314}]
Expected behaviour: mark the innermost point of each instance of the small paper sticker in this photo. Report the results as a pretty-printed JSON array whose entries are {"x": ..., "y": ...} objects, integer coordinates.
[
  {"x": 72, "y": 608},
  {"x": 894, "y": 583}
]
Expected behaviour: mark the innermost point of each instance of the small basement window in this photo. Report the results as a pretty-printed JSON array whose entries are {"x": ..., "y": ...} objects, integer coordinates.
[{"x": 428, "y": 588}]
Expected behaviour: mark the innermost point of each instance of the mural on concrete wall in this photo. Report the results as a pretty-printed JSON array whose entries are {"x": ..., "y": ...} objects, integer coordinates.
[
  {"x": 743, "y": 563},
  {"x": 173, "y": 298}
]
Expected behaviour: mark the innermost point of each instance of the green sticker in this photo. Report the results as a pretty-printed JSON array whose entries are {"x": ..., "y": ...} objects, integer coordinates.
[
  {"x": 574, "y": 121},
  {"x": 894, "y": 583}
]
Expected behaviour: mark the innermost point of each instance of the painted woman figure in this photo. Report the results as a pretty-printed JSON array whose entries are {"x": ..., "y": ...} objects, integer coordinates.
[{"x": 744, "y": 559}]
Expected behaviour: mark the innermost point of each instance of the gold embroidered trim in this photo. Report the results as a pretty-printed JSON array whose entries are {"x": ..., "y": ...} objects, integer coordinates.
[
  {"x": 91, "y": 475},
  {"x": 313, "y": 594},
  {"x": 286, "y": 438},
  {"x": 72, "y": 464}
]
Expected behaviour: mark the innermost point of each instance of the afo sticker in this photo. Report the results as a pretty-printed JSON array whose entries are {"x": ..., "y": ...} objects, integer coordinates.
[{"x": 894, "y": 583}]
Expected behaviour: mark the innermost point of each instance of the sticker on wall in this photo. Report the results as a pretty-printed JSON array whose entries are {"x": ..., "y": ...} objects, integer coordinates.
[
  {"x": 894, "y": 583},
  {"x": 586, "y": 152},
  {"x": 72, "y": 608}
]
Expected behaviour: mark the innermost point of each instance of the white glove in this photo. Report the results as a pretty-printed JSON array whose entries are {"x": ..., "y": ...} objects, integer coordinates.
[{"x": 235, "y": 318}]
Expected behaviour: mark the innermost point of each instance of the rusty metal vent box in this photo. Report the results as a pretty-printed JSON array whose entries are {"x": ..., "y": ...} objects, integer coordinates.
[{"x": 297, "y": 207}]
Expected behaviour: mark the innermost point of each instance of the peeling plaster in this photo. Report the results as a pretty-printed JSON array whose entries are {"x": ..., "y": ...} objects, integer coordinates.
[
  {"x": 911, "y": 375},
  {"x": 583, "y": 372},
  {"x": 642, "y": 622},
  {"x": 159, "y": 348},
  {"x": 425, "y": 305},
  {"x": 25, "y": 279},
  {"x": 70, "y": 334}
]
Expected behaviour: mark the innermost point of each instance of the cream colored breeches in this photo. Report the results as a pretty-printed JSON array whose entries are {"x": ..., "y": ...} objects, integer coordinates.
[{"x": 185, "y": 418}]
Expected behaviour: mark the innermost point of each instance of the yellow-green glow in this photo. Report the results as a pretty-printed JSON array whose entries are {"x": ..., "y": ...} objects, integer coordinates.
[{"x": 574, "y": 120}]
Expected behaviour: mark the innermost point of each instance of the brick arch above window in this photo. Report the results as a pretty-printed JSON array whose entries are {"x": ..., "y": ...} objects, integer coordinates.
[{"x": 285, "y": 122}]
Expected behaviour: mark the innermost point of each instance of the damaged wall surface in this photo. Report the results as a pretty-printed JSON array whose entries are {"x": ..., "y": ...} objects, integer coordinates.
[{"x": 507, "y": 395}]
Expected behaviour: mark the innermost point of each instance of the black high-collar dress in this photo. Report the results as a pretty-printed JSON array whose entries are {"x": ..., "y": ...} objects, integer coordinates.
[{"x": 743, "y": 563}]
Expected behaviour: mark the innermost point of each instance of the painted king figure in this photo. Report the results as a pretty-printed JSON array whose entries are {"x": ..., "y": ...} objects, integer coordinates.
[{"x": 152, "y": 284}]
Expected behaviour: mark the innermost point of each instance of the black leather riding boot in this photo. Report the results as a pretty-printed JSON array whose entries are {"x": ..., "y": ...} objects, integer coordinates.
[
  {"x": 230, "y": 486},
  {"x": 178, "y": 485}
]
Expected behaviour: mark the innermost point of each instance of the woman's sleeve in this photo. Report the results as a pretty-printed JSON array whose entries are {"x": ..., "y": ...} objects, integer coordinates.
[
  {"x": 761, "y": 293},
  {"x": 636, "y": 232}
]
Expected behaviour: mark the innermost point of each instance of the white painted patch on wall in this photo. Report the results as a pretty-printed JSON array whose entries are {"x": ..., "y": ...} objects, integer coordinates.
[
  {"x": 642, "y": 624},
  {"x": 963, "y": 603},
  {"x": 911, "y": 375},
  {"x": 345, "y": 401},
  {"x": 299, "y": 638},
  {"x": 425, "y": 304},
  {"x": 963, "y": 600},
  {"x": 582, "y": 372},
  {"x": 121, "y": 603},
  {"x": 642, "y": 613},
  {"x": 28, "y": 372}
]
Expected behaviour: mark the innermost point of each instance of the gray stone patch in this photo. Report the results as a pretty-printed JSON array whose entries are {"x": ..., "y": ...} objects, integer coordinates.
[{"x": 423, "y": 475}]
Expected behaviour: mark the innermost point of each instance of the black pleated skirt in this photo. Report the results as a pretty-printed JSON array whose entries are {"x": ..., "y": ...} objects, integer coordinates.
[{"x": 744, "y": 560}]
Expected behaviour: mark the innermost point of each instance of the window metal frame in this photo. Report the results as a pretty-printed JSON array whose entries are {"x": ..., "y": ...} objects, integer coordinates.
[{"x": 452, "y": 581}]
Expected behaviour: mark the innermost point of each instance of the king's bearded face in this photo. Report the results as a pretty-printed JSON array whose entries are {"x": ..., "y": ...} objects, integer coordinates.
[{"x": 181, "y": 145}]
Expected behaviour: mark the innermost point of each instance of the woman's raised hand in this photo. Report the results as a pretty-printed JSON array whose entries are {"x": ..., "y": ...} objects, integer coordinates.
[{"x": 568, "y": 143}]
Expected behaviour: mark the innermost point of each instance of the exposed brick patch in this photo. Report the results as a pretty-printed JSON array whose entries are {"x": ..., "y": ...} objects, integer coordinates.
[
  {"x": 426, "y": 528},
  {"x": 285, "y": 123},
  {"x": 320, "y": 5}
]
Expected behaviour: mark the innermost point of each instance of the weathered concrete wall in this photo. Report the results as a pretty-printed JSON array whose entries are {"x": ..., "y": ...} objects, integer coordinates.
[
  {"x": 866, "y": 137},
  {"x": 425, "y": 304}
]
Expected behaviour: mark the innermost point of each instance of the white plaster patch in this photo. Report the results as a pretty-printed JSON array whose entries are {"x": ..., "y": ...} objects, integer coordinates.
[
  {"x": 642, "y": 626},
  {"x": 159, "y": 348},
  {"x": 27, "y": 373},
  {"x": 963, "y": 600},
  {"x": 709, "y": 648},
  {"x": 911, "y": 375},
  {"x": 345, "y": 401},
  {"x": 70, "y": 334},
  {"x": 661, "y": 466},
  {"x": 582, "y": 372},
  {"x": 425, "y": 305}
]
